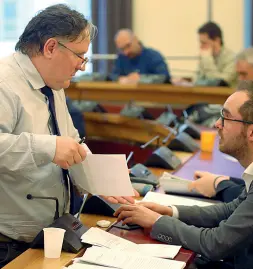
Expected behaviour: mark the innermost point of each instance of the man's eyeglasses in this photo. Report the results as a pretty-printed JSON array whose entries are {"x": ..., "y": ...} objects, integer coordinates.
[
  {"x": 84, "y": 60},
  {"x": 127, "y": 46},
  {"x": 223, "y": 118}
]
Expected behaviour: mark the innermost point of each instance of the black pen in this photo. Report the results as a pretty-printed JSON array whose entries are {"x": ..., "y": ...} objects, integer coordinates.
[{"x": 82, "y": 140}]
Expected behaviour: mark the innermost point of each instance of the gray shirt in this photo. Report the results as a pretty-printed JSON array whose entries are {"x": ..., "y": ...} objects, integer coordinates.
[{"x": 27, "y": 149}]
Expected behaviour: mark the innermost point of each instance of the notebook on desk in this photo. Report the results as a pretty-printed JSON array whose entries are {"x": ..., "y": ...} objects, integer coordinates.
[{"x": 168, "y": 200}]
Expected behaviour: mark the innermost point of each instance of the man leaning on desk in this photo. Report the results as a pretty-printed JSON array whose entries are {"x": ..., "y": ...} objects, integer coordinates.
[
  {"x": 38, "y": 141},
  {"x": 216, "y": 65},
  {"x": 222, "y": 231},
  {"x": 135, "y": 60}
]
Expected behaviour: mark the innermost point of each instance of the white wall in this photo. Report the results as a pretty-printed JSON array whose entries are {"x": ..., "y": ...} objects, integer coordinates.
[{"x": 171, "y": 26}]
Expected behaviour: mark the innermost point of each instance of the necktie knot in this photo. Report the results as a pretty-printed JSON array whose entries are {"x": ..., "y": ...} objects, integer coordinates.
[{"x": 47, "y": 91}]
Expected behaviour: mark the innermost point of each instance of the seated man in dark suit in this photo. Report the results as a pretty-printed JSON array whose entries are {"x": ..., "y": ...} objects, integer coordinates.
[
  {"x": 135, "y": 60},
  {"x": 222, "y": 231}
]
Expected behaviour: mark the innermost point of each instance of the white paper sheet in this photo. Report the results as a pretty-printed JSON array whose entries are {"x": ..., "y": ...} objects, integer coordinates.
[
  {"x": 127, "y": 260},
  {"x": 101, "y": 238},
  {"x": 102, "y": 174},
  {"x": 167, "y": 200}
]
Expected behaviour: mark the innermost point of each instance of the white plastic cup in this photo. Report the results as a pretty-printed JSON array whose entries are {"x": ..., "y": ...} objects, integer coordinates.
[{"x": 53, "y": 239}]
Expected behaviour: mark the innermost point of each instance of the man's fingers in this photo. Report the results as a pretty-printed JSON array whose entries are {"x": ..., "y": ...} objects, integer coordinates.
[
  {"x": 124, "y": 208},
  {"x": 127, "y": 220},
  {"x": 125, "y": 214},
  {"x": 198, "y": 174},
  {"x": 77, "y": 158},
  {"x": 136, "y": 193},
  {"x": 82, "y": 152},
  {"x": 192, "y": 185},
  {"x": 128, "y": 199},
  {"x": 111, "y": 199}
]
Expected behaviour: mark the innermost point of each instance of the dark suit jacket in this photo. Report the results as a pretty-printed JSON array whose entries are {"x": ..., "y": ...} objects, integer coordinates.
[
  {"x": 228, "y": 190},
  {"x": 217, "y": 232}
]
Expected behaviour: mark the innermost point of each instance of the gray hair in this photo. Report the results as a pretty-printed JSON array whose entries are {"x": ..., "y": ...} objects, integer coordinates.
[
  {"x": 246, "y": 55},
  {"x": 58, "y": 21},
  {"x": 125, "y": 31},
  {"x": 246, "y": 110}
]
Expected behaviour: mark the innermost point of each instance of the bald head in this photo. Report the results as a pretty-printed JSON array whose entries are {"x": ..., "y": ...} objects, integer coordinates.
[
  {"x": 127, "y": 43},
  {"x": 244, "y": 64}
]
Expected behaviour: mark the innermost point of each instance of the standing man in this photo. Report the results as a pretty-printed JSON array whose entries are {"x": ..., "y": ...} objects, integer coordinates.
[
  {"x": 135, "y": 60},
  {"x": 219, "y": 232},
  {"x": 216, "y": 61},
  {"x": 37, "y": 137}
]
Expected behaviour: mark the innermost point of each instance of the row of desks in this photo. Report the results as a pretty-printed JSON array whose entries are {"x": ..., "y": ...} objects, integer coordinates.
[{"x": 155, "y": 93}]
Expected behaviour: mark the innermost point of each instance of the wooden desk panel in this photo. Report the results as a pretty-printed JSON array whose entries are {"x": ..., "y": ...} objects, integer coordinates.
[
  {"x": 156, "y": 93},
  {"x": 118, "y": 127}
]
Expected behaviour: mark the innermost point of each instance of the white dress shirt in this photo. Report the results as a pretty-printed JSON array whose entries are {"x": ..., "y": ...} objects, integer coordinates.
[{"x": 27, "y": 149}]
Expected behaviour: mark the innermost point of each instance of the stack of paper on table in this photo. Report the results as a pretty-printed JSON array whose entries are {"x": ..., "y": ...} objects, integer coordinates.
[
  {"x": 114, "y": 258},
  {"x": 97, "y": 237},
  {"x": 168, "y": 200},
  {"x": 102, "y": 174}
]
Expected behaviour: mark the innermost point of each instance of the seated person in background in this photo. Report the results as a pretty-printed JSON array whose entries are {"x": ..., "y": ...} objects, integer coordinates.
[
  {"x": 223, "y": 188},
  {"x": 219, "y": 232},
  {"x": 216, "y": 64},
  {"x": 135, "y": 60},
  {"x": 244, "y": 64}
]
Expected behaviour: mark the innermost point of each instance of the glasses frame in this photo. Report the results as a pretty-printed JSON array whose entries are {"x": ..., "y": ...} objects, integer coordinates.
[
  {"x": 84, "y": 60},
  {"x": 223, "y": 118}
]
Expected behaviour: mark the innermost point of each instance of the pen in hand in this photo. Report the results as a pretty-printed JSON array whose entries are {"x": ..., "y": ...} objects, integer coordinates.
[{"x": 82, "y": 140}]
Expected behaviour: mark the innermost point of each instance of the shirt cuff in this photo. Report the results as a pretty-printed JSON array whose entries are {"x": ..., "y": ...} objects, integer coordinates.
[
  {"x": 175, "y": 213},
  {"x": 43, "y": 148}
]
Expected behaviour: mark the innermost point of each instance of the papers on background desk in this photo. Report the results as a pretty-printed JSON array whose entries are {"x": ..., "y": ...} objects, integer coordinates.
[
  {"x": 167, "y": 200},
  {"x": 98, "y": 237},
  {"x": 123, "y": 259},
  {"x": 102, "y": 174}
]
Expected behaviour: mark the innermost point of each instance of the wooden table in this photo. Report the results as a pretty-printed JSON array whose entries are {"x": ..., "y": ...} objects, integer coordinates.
[
  {"x": 34, "y": 258},
  {"x": 156, "y": 93}
]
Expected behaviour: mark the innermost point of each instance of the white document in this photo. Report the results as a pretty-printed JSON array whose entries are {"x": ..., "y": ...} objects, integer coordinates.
[
  {"x": 168, "y": 200},
  {"x": 85, "y": 266},
  {"x": 98, "y": 237},
  {"x": 159, "y": 250},
  {"x": 127, "y": 260},
  {"x": 101, "y": 238},
  {"x": 102, "y": 174}
]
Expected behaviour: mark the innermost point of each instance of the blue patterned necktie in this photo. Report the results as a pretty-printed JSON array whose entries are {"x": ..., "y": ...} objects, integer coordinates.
[{"x": 56, "y": 131}]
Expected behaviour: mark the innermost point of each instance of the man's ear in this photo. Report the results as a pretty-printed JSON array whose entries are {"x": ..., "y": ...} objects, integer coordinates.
[
  {"x": 50, "y": 47},
  {"x": 250, "y": 133}
]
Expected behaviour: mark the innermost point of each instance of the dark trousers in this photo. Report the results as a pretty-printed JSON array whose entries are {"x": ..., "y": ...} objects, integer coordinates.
[{"x": 10, "y": 250}]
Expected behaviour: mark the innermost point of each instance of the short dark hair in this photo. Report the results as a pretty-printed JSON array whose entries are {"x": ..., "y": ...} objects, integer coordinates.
[
  {"x": 246, "y": 110},
  {"x": 58, "y": 21},
  {"x": 212, "y": 29}
]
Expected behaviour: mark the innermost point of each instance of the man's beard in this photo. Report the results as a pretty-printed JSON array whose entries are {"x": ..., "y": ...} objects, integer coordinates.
[{"x": 236, "y": 147}]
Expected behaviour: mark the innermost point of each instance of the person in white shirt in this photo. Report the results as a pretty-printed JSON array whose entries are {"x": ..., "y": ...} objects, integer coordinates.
[{"x": 37, "y": 136}]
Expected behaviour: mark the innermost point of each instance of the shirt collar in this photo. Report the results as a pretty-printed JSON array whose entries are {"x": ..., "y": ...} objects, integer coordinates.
[
  {"x": 248, "y": 176},
  {"x": 29, "y": 70}
]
